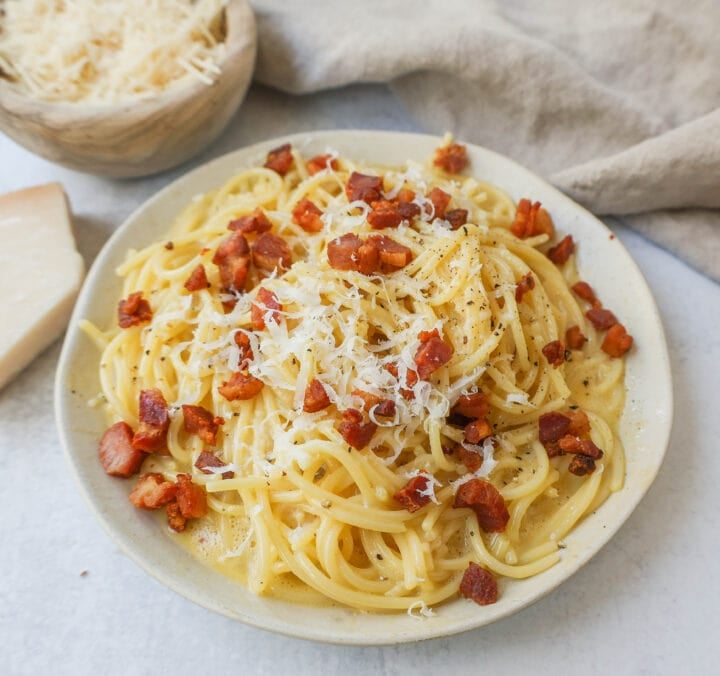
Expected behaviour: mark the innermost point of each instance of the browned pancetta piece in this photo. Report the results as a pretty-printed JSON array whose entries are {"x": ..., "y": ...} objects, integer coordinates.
[
  {"x": 356, "y": 432},
  {"x": 316, "y": 397},
  {"x": 153, "y": 492},
  {"x": 479, "y": 585},
  {"x": 451, "y": 158},
  {"x": 200, "y": 421},
  {"x": 241, "y": 386},
  {"x": 280, "y": 159},
  {"x": 151, "y": 435},
  {"x": 487, "y": 503},
  {"x": 256, "y": 221},
  {"x": 118, "y": 456},
  {"x": 133, "y": 311},
  {"x": 414, "y": 495},
  {"x": 433, "y": 353},
  {"x": 265, "y": 302}
]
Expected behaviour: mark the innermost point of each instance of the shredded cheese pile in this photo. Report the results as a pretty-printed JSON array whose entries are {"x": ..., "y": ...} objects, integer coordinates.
[{"x": 108, "y": 52}]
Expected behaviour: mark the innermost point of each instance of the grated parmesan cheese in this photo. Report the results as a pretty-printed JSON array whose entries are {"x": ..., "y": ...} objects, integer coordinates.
[
  {"x": 420, "y": 610},
  {"x": 108, "y": 52}
]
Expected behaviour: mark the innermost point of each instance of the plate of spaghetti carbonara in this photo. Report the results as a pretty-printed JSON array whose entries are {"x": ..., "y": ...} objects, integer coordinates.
[{"x": 363, "y": 387}]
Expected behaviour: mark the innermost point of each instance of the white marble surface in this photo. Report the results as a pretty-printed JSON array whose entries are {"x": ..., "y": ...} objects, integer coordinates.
[{"x": 70, "y": 603}]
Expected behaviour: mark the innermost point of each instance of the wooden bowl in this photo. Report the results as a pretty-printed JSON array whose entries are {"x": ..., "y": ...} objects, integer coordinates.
[{"x": 137, "y": 138}]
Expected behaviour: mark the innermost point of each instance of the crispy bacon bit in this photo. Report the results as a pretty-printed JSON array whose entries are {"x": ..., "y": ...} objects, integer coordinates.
[
  {"x": 390, "y": 213},
  {"x": 483, "y": 498},
  {"x": 349, "y": 252},
  {"x": 265, "y": 302},
  {"x": 367, "y": 257},
  {"x": 451, "y": 158},
  {"x": 385, "y": 409},
  {"x": 581, "y": 465},
  {"x": 575, "y": 338},
  {"x": 617, "y": 341},
  {"x": 477, "y": 430},
  {"x": 385, "y": 214},
  {"x": 270, "y": 252},
  {"x": 568, "y": 432},
  {"x": 153, "y": 492},
  {"x": 543, "y": 223},
  {"x": 474, "y": 405},
  {"x": 405, "y": 196},
  {"x": 554, "y": 352},
  {"x": 241, "y": 386},
  {"x": 365, "y": 188},
  {"x": 524, "y": 218},
  {"x": 531, "y": 219},
  {"x": 408, "y": 210},
  {"x": 233, "y": 260},
  {"x": 440, "y": 200},
  {"x": 280, "y": 159},
  {"x": 553, "y": 450},
  {"x": 343, "y": 252},
  {"x": 393, "y": 255},
  {"x": 133, "y": 311},
  {"x": 585, "y": 291},
  {"x": 356, "y": 432},
  {"x": 411, "y": 379},
  {"x": 527, "y": 283},
  {"x": 479, "y": 585},
  {"x": 471, "y": 459},
  {"x": 579, "y": 424},
  {"x": 197, "y": 279},
  {"x": 191, "y": 498},
  {"x": 307, "y": 215},
  {"x": 369, "y": 400},
  {"x": 319, "y": 162},
  {"x": 256, "y": 221},
  {"x": 433, "y": 353},
  {"x": 242, "y": 340},
  {"x": 151, "y": 435},
  {"x": 206, "y": 460},
  {"x": 316, "y": 397},
  {"x": 553, "y": 426},
  {"x": 571, "y": 444},
  {"x": 176, "y": 520},
  {"x": 456, "y": 217},
  {"x": 413, "y": 495},
  {"x": 200, "y": 421},
  {"x": 561, "y": 251},
  {"x": 601, "y": 318},
  {"x": 117, "y": 455}
]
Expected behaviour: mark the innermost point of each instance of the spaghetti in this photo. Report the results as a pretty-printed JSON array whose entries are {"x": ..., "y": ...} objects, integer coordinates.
[{"x": 387, "y": 397}]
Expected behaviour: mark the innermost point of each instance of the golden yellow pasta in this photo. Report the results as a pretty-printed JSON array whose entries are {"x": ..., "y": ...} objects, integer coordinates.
[{"x": 296, "y": 511}]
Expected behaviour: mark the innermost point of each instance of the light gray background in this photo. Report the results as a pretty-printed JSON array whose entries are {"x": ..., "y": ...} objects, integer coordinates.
[{"x": 647, "y": 604}]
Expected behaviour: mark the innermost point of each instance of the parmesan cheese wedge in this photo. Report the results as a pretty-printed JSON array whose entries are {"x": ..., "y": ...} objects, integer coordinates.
[{"x": 40, "y": 274}]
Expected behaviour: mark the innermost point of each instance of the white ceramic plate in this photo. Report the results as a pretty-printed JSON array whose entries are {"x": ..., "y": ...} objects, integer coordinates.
[{"x": 603, "y": 262}]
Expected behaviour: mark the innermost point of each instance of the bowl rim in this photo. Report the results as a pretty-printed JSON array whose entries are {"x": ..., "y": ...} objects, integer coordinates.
[
  {"x": 241, "y": 34},
  {"x": 178, "y": 580}
]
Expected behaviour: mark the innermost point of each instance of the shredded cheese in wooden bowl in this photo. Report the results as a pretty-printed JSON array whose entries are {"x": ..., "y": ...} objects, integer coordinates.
[{"x": 84, "y": 51}]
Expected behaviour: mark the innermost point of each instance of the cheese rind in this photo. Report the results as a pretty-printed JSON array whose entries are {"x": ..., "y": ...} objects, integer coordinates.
[{"x": 40, "y": 274}]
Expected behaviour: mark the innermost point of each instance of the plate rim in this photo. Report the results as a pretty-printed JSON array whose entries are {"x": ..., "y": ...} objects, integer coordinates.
[{"x": 423, "y": 631}]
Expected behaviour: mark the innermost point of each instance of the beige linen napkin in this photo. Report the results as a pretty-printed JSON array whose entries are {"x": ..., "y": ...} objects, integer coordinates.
[{"x": 617, "y": 102}]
